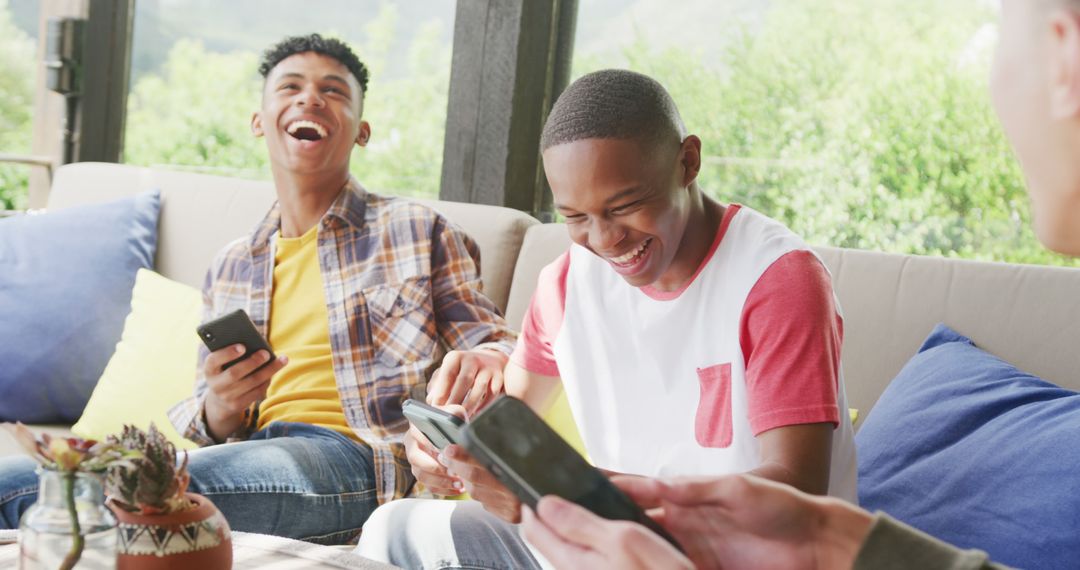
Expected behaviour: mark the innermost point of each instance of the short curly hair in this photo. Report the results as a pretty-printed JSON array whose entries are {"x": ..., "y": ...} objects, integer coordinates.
[{"x": 330, "y": 47}]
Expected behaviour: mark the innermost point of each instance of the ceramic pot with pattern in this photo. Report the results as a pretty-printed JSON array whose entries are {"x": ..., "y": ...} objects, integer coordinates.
[{"x": 195, "y": 538}]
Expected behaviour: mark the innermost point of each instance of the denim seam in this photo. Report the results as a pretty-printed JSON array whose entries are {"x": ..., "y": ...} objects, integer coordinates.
[
  {"x": 17, "y": 494},
  {"x": 352, "y": 532}
]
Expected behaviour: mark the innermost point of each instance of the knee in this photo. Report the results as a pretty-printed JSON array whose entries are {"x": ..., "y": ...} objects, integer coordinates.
[
  {"x": 412, "y": 533},
  {"x": 18, "y": 489},
  {"x": 386, "y": 525}
]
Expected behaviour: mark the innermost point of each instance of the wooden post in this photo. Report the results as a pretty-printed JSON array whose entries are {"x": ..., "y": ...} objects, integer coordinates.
[
  {"x": 106, "y": 66},
  {"x": 510, "y": 62}
]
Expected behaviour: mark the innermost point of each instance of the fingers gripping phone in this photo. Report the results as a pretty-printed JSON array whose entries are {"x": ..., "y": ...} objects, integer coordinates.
[
  {"x": 234, "y": 328},
  {"x": 527, "y": 456},
  {"x": 441, "y": 428}
]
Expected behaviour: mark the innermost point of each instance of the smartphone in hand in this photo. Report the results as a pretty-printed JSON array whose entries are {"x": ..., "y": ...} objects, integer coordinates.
[
  {"x": 526, "y": 455},
  {"x": 441, "y": 428},
  {"x": 234, "y": 328}
]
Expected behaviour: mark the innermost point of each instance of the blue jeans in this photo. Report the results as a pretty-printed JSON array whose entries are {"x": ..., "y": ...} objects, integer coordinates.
[{"x": 289, "y": 479}]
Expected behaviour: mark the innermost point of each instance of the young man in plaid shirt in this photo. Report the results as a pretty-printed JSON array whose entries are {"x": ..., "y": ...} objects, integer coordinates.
[{"x": 354, "y": 292}]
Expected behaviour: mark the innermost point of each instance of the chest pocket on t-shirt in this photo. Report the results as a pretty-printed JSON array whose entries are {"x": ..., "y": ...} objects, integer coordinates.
[
  {"x": 712, "y": 424},
  {"x": 402, "y": 325}
]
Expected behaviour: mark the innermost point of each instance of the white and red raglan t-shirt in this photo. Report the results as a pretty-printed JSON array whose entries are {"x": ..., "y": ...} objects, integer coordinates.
[{"x": 681, "y": 383}]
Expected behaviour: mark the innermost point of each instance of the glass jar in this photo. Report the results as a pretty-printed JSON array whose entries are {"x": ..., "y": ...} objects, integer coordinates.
[{"x": 45, "y": 531}]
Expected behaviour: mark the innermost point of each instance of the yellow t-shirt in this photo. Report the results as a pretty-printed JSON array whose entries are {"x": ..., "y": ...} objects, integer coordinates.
[{"x": 305, "y": 390}]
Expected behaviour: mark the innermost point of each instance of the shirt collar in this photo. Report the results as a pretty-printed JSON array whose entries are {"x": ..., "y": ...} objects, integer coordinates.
[{"x": 349, "y": 207}]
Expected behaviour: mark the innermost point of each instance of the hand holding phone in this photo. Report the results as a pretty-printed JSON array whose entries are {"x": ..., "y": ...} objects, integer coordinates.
[
  {"x": 432, "y": 430},
  {"x": 527, "y": 456},
  {"x": 233, "y": 328},
  {"x": 237, "y": 371}
]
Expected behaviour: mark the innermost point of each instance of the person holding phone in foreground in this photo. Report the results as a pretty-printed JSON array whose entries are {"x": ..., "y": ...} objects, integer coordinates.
[
  {"x": 355, "y": 292},
  {"x": 743, "y": 522},
  {"x": 691, "y": 337}
]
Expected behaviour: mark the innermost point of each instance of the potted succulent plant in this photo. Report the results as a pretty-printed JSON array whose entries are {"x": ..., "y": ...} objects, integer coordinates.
[
  {"x": 161, "y": 524},
  {"x": 69, "y": 517}
]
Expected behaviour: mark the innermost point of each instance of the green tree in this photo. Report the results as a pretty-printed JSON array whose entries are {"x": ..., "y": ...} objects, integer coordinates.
[
  {"x": 16, "y": 106},
  {"x": 197, "y": 113},
  {"x": 858, "y": 123}
]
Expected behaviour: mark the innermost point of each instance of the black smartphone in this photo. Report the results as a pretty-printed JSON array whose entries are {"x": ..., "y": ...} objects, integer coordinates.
[
  {"x": 527, "y": 456},
  {"x": 234, "y": 328},
  {"x": 441, "y": 428}
]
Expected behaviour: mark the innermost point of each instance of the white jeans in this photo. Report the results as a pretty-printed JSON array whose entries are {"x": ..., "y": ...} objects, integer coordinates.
[{"x": 432, "y": 534}]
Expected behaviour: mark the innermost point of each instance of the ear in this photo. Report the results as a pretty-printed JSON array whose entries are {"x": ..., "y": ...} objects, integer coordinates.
[
  {"x": 364, "y": 135},
  {"x": 1065, "y": 64},
  {"x": 256, "y": 124},
  {"x": 690, "y": 157}
]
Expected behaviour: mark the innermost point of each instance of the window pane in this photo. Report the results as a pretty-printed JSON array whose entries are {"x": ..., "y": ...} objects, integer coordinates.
[
  {"x": 18, "y": 57},
  {"x": 859, "y": 123},
  {"x": 195, "y": 83}
]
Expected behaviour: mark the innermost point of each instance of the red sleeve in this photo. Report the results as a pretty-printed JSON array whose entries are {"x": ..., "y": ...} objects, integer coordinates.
[
  {"x": 534, "y": 351},
  {"x": 791, "y": 334}
]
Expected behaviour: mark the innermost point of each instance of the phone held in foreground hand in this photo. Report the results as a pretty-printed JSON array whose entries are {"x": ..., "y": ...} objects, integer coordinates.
[{"x": 529, "y": 458}]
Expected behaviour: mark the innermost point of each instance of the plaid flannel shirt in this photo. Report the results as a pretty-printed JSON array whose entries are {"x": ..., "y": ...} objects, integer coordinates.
[{"x": 398, "y": 278}]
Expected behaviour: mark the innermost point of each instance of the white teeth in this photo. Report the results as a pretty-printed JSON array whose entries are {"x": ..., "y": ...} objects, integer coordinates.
[
  {"x": 303, "y": 123},
  {"x": 626, "y": 258}
]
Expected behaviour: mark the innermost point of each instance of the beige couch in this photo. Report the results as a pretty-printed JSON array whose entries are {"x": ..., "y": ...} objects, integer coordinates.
[{"x": 1027, "y": 315}]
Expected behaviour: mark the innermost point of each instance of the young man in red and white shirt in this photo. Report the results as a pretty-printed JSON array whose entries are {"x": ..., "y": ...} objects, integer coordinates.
[{"x": 692, "y": 338}]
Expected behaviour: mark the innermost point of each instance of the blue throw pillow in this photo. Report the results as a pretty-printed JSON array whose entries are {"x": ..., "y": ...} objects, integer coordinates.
[
  {"x": 65, "y": 289},
  {"x": 969, "y": 449}
]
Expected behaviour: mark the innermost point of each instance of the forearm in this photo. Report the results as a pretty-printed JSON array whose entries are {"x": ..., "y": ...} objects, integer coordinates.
[
  {"x": 537, "y": 391},
  {"x": 807, "y": 480},
  {"x": 797, "y": 455}
]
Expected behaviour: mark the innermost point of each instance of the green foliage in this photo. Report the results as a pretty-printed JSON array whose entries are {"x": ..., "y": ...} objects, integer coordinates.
[
  {"x": 16, "y": 104},
  {"x": 152, "y": 483},
  {"x": 858, "y": 123},
  {"x": 197, "y": 113}
]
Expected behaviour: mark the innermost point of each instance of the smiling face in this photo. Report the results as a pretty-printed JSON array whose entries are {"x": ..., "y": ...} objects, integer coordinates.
[
  {"x": 628, "y": 205},
  {"x": 311, "y": 115}
]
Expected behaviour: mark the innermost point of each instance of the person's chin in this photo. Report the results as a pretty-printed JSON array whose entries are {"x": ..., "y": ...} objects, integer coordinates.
[{"x": 1061, "y": 234}]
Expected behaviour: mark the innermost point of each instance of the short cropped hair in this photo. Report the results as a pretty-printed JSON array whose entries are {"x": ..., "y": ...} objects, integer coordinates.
[
  {"x": 613, "y": 104},
  {"x": 330, "y": 47}
]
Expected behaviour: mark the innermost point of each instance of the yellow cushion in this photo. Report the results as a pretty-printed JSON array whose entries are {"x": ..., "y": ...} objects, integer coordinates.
[
  {"x": 153, "y": 367},
  {"x": 560, "y": 420}
]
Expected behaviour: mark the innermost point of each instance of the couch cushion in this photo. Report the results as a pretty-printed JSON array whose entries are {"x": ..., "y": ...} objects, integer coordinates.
[
  {"x": 966, "y": 447},
  {"x": 65, "y": 287},
  {"x": 1025, "y": 314},
  {"x": 153, "y": 366},
  {"x": 543, "y": 243}
]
